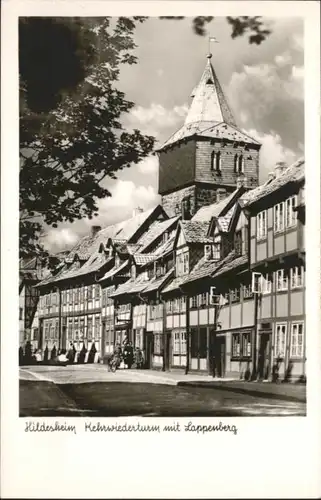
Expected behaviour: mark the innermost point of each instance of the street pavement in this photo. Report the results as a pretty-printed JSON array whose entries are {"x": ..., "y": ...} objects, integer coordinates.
[{"x": 93, "y": 390}]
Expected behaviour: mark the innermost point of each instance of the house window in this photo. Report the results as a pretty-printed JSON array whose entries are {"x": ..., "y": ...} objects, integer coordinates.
[
  {"x": 296, "y": 344},
  {"x": 82, "y": 328},
  {"x": 89, "y": 328},
  {"x": 64, "y": 297},
  {"x": 236, "y": 345},
  {"x": 151, "y": 312},
  {"x": 176, "y": 305},
  {"x": 247, "y": 291},
  {"x": 281, "y": 280},
  {"x": 97, "y": 326},
  {"x": 179, "y": 345},
  {"x": 51, "y": 331},
  {"x": 183, "y": 304},
  {"x": 290, "y": 213},
  {"x": 280, "y": 339},
  {"x": 208, "y": 252},
  {"x": 76, "y": 328},
  {"x": 97, "y": 292},
  {"x": 202, "y": 299},
  {"x": 266, "y": 284},
  {"x": 216, "y": 251},
  {"x": 246, "y": 344},
  {"x": 90, "y": 292},
  {"x": 261, "y": 225},
  {"x": 193, "y": 302},
  {"x": 54, "y": 299},
  {"x": 20, "y": 313},
  {"x": 297, "y": 277},
  {"x": 158, "y": 344},
  {"x": 182, "y": 263},
  {"x": 76, "y": 295},
  {"x": 70, "y": 322},
  {"x": 235, "y": 295},
  {"x": 238, "y": 242},
  {"x": 169, "y": 306},
  {"x": 56, "y": 330},
  {"x": 47, "y": 331},
  {"x": 279, "y": 217}
]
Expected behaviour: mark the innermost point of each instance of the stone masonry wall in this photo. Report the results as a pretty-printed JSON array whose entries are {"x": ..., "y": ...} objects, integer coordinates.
[
  {"x": 176, "y": 166},
  {"x": 227, "y": 175},
  {"x": 171, "y": 202}
]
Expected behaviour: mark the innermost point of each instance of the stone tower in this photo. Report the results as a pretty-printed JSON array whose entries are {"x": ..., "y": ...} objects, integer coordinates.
[{"x": 209, "y": 156}]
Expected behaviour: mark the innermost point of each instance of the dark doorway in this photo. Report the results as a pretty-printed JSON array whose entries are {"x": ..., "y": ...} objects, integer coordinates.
[
  {"x": 103, "y": 339},
  {"x": 220, "y": 348},
  {"x": 264, "y": 361},
  {"x": 167, "y": 353},
  {"x": 149, "y": 349}
]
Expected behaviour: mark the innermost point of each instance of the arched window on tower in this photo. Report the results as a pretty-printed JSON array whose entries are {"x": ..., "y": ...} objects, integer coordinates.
[
  {"x": 241, "y": 164},
  {"x": 213, "y": 160},
  {"x": 218, "y": 161},
  {"x": 236, "y": 163}
]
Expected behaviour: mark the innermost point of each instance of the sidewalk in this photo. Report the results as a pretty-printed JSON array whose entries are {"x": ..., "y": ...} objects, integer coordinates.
[{"x": 284, "y": 391}]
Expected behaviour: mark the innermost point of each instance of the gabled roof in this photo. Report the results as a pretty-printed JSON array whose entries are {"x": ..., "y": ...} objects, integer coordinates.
[
  {"x": 294, "y": 173},
  {"x": 230, "y": 263},
  {"x": 157, "y": 283},
  {"x": 195, "y": 231},
  {"x": 121, "y": 270},
  {"x": 143, "y": 258},
  {"x": 132, "y": 286},
  {"x": 219, "y": 208},
  {"x": 174, "y": 284},
  {"x": 159, "y": 228}
]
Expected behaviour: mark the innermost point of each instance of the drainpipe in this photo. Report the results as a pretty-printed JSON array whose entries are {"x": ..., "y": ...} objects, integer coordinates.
[
  {"x": 60, "y": 320},
  {"x": 165, "y": 352}
]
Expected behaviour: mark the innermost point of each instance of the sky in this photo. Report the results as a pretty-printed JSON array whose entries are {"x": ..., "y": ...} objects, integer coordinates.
[{"x": 264, "y": 85}]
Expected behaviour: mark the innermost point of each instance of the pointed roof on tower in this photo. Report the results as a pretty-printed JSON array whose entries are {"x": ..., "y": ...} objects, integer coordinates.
[
  {"x": 208, "y": 109},
  {"x": 209, "y": 102}
]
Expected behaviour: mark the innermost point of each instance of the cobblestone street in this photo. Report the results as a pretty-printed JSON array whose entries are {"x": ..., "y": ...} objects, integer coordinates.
[{"x": 93, "y": 391}]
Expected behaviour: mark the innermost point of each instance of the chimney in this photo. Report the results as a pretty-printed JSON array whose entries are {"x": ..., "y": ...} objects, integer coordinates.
[
  {"x": 95, "y": 230},
  {"x": 137, "y": 210},
  {"x": 241, "y": 181},
  {"x": 220, "y": 194},
  {"x": 279, "y": 168}
]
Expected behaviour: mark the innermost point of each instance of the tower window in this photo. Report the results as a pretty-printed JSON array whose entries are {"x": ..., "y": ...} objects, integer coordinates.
[
  {"x": 216, "y": 161},
  {"x": 238, "y": 164}
]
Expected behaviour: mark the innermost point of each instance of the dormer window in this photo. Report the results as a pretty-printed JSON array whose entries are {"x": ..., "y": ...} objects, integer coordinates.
[
  {"x": 238, "y": 243},
  {"x": 182, "y": 263},
  {"x": 216, "y": 161}
]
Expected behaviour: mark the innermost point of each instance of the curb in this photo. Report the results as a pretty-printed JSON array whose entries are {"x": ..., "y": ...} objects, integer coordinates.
[{"x": 240, "y": 390}]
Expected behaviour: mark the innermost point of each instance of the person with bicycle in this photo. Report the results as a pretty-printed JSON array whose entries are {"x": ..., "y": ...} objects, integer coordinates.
[{"x": 116, "y": 358}]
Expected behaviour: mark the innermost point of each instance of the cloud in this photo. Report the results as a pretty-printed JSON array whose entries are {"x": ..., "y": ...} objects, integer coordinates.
[
  {"x": 272, "y": 151},
  {"x": 126, "y": 196},
  {"x": 156, "y": 119},
  {"x": 149, "y": 166},
  {"x": 60, "y": 238}
]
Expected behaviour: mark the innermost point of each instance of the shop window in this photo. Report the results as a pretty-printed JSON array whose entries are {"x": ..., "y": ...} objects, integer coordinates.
[
  {"x": 236, "y": 345},
  {"x": 297, "y": 340}
]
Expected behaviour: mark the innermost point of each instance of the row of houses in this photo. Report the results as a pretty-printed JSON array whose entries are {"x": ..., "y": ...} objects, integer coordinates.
[
  {"x": 212, "y": 279},
  {"x": 222, "y": 292}
]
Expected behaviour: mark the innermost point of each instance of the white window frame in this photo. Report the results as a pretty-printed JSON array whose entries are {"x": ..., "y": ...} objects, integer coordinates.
[
  {"x": 294, "y": 346},
  {"x": 297, "y": 277},
  {"x": 193, "y": 302},
  {"x": 266, "y": 284},
  {"x": 282, "y": 280},
  {"x": 261, "y": 225},
  {"x": 279, "y": 217},
  {"x": 290, "y": 214},
  {"x": 236, "y": 354},
  {"x": 278, "y": 345}
]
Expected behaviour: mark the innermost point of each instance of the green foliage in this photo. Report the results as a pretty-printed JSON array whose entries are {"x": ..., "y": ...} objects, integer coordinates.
[{"x": 66, "y": 152}]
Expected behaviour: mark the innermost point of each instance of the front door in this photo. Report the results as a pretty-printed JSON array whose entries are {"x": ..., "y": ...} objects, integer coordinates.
[
  {"x": 219, "y": 357},
  {"x": 149, "y": 349},
  {"x": 167, "y": 344},
  {"x": 103, "y": 339},
  {"x": 264, "y": 361}
]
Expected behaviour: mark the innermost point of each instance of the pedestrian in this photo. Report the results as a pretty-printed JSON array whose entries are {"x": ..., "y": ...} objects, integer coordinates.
[
  {"x": 128, "y": 355},
  {"x": 139, "y": 358}
]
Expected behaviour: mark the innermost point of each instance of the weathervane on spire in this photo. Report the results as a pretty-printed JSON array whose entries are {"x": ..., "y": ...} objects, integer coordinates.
[{"x": 211, "y": 39}]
